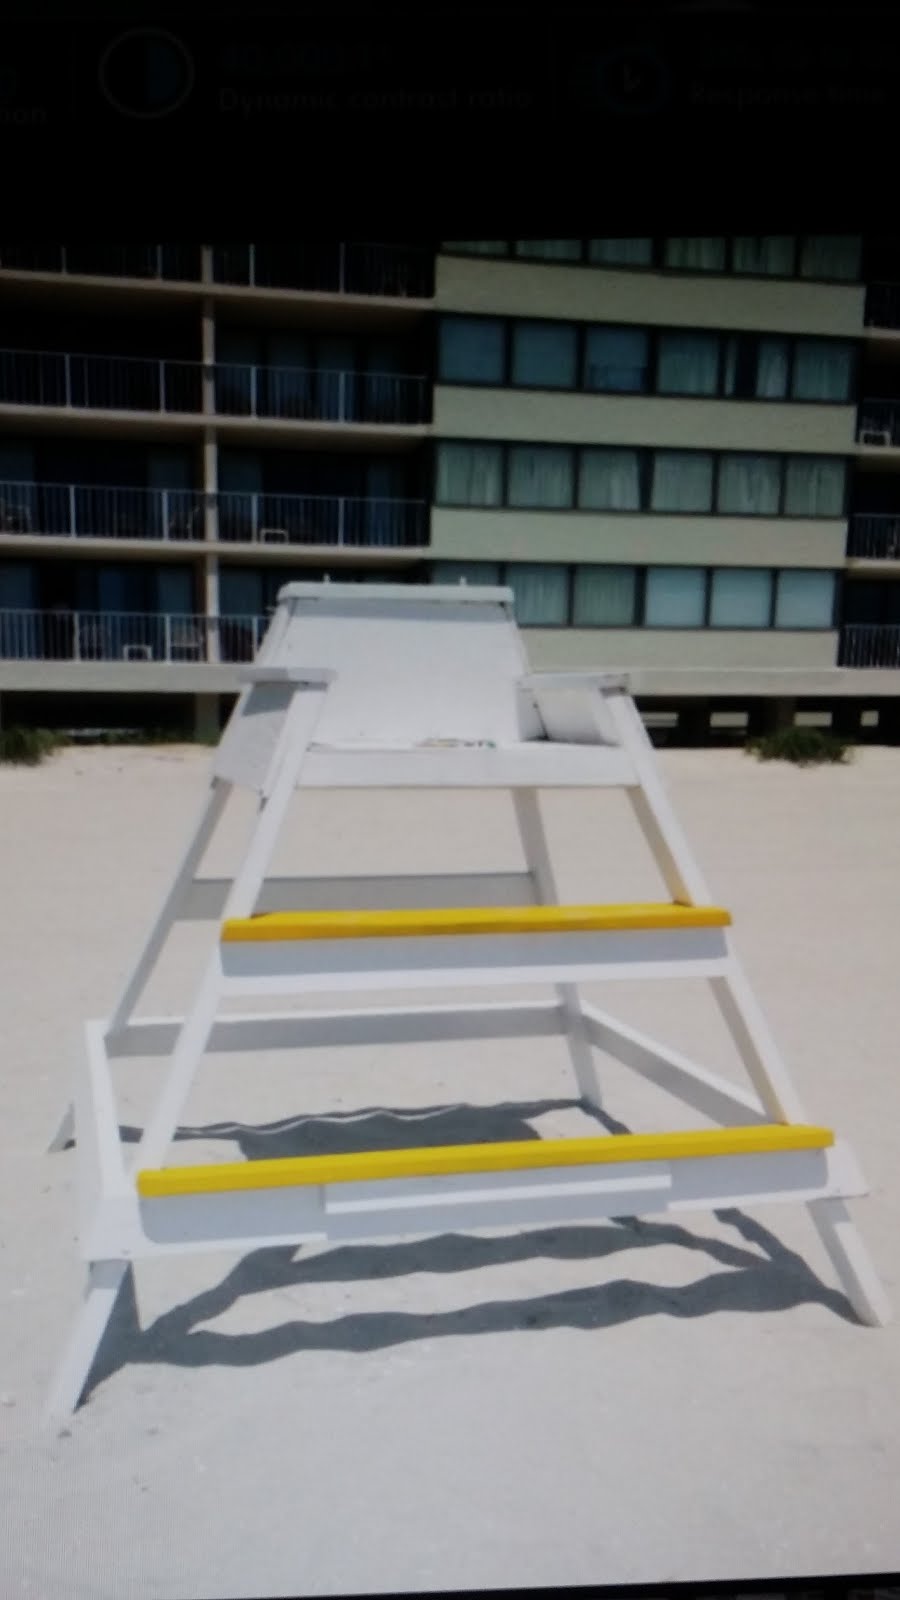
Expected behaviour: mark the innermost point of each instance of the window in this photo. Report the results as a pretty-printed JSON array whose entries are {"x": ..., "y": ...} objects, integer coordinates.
[
  {"x": 749, "y": 486},
  {"x": 756, "y": 368},
  {"x": 621, "y": 252},
  {"x": 831, "y": 256},
  {"x": 549, "y": 249},
  {"x": 695, "y": 255},
  {"x": 763, "y": 256},
  {"x": 615, "y": 360},
  {"x": 544, "y": 355},
  {"x": 804, "y": 600},
  {"x": 682, "y": 481},
  {"x": 541, "y": 594},
  {"x": 815, "y": 486},
  {"x": 604, "y": 597},
  {"x": 477, "y": 247},
  {"x": 476, "y": 572},
  {"x": 741, "y": 597},
  {"x": 822, "y": 370},
  {"x": 676, "y": 597},
  {"x": 469, "y": 475},
  {"x": 471, "y": 350},
  {"x": 609, "y": 480},
  {"x": 540, "y": 476},
  {"x": 688, "y": 363}
]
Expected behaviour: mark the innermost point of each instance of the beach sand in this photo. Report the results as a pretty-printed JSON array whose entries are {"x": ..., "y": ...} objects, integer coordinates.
[{"x": 605, "y": 1404}]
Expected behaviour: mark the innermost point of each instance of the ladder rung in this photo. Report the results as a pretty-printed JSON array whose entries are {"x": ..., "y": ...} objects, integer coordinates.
[
  {"x": 296, "y": 925},
  {"x": 448, "y": 1160}
]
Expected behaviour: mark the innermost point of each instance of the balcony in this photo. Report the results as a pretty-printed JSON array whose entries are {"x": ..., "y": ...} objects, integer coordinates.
[
  {"x": 94, "y": 511},
  {"x": 865, "y": 644},
  {"x": 296, "y": 394},
  {"x": 122, "y": 636},
  {"x": 74, "y": 510},
  {"x": 339, "y": 520},
  {"x": 172, "y": 263},
  {"x": 883, "y": 305},
  {"x": 874, "y": 536},
  {"x": 878, "y": 423},
  {"x": 389, "y": 271}
]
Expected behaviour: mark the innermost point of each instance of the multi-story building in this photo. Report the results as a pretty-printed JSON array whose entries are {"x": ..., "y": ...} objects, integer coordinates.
[{"x": 681, "y": 454}]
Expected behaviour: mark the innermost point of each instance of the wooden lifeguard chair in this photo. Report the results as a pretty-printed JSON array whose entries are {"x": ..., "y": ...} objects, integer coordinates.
[{"x": 404, "y": 687}]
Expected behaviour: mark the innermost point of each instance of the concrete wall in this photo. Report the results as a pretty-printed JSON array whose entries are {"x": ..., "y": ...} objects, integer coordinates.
[
  {"x": 552, "y": 649},
  {"x": 589, "y": 536},
  {"x": 550, "y": 418},
  {"x": 598, "y": 294}
]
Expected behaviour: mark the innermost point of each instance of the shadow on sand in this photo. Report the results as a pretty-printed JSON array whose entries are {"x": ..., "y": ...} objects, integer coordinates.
[{"x": 763, "y": 1275}]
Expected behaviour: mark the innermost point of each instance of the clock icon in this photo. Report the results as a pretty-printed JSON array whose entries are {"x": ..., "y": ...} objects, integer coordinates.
[
  {"x": 146, "y": 73},
  {"x": 631, "y": 81}
]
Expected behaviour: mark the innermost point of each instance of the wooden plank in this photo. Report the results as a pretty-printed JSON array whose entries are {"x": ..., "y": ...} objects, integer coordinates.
[
  {"x": 515, "y": 1155},
  {"x": 292, "y": 926}
]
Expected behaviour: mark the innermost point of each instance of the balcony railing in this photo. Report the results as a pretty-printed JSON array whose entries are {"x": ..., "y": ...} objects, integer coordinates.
[
  {"x": 883, "y": 305},
  {"x": 93, "y": 511},
  {"x": 178, "y": 263},
  {"x": 63, "y": 635},
  {"x": 322, "y": 519},
  {"x": 874, "y": 536},
  {"x": 878, "y": 422},
  {"x": 865, "y": 644},
  {"x": 396, "y": 271},
  {"x": 302, "y": 394},
  {"x": 125, "y": 383}
]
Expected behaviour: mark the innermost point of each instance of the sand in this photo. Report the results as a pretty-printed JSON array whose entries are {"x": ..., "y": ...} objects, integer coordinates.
[{"x": 611, "y": 1404}]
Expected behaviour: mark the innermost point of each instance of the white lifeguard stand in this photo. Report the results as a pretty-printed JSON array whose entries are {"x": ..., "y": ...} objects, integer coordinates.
[{"x": 396, "y": 687}]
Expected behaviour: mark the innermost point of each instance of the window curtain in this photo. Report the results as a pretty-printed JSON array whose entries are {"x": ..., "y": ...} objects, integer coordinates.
[
  {"x": 540, "y": 476},
  {"x": 544, "y": 355},
  {"x": 772, "y": 363},
  {"x": 615, "y": 359},
  {"x": 822, "y": 369},
  {"x": 20, "y": 636},
  {"x": 740, "y": 598},
  {"x": 749, "y": 485},
  {"x": 471, "y": 350},
  {"x": 240, "y": 592},
  {"x": 695, "y": 255},
  {"x": 609, "y": 480},
  {"x": 814, "y": 486},
  {"x": 764, "y": 256},
  {"x": 549, "y": 249},
  {"x": 173, "y": 591},
  {"x": 469, "y": 475},
  {"x": 541, "y": 595},
  {"x": 675, "y": 598},
  {"x": 621, "y": 252},
  {"x": 682, "y": 481},
  {"x": 831, "y": 256},
  {"x": 240, "y": 486},
  {"x": 604, "y": 597},
  {"x": 238, "y": 358},
  {"x": 805, "y": 600},
  {"x": 688, "y": 363}
]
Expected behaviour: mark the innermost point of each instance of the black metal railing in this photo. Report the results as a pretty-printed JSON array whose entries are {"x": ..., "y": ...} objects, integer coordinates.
[
  {"x": 179, "y": 263},
  {"x": 874, "y": 536},
  {"x": 393, "y": 271},
  {"x": 864, "y": 644}
]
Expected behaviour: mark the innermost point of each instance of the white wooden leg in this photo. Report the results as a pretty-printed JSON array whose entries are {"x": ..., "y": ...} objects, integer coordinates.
[
  {"x": 758, "y": 1050},
  {"x": 537, "y": 859},
  {"x": 851, "y": 1262},
  {"x": 105, "y": 1280},
  {"x": 65, "y": 1132}
]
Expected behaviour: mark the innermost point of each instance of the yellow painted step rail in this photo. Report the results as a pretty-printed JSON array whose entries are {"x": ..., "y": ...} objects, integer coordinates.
[
  {"x": 288, "y": 925},
  {"x": 447, "y": 1160}
]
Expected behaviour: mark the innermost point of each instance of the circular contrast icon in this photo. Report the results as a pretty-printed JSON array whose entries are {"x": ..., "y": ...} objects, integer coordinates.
[
  {"x": 631, "y": 82},
  {"x": 146, "y": 73}
]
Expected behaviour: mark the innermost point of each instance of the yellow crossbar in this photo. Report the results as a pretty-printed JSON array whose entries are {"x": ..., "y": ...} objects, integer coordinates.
[
  {"x": 442, "y": 1161},
  {"x": 475, "y": 919}
]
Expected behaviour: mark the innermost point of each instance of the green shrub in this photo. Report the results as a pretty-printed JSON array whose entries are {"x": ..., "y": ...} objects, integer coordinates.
[
  {"x": 27, "y": 747},
  {"x": 805, "y": 747}
]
